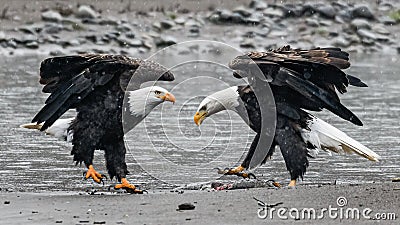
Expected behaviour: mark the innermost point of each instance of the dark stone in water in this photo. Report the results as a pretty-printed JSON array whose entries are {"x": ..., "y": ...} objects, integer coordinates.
[
  {"x": 186, "y": 206},
  {"x": 165, "y": 41},
  {"x": 362, "y": 11},
  {"x": 326, "y": 11}
]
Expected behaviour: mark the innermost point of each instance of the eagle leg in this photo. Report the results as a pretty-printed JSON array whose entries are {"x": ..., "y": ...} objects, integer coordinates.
[
  {"x": 128, "y": 187},
  {"x": 238, "y": 171},
  {"x": 292, "y": 183},
  {"x": 92, "y": 173}
]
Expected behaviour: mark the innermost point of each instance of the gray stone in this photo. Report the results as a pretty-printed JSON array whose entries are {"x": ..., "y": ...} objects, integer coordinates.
[
  {"x": 326, "y": 11},
  {"x": 382, "y": 38},
  {"x": 180, "y": 20},
  {"x": 124, "y": 27},
  {"x": 366, "y": 34},
  {"x": 362, "y": 11},
  {"x": 192, "y": 23},
  {"x": 258, "y": 4},
  {"x": 167, "y": 24},
  {"x": 53, "y": 28},
  {"x": 225, "y": 15},
  {"x": 340, "y": 42},
  {"x": 312, "y": 22},
  {"x": 109, "y": 21},
  {"x": 237, "y": 18},
  {"x": 85, "y": 11},
  {"x": 2, "y": 36},
  {"x": 380, "y": 29},
  {"x": 25, "y": 38},
  {"x": 360, "y": 24},
  {"x": 74, "y": 42},
  {"x": 277, "y": 33},
  {"x": 32, "y": 45},
  {"x": 157, "y": 25},
  {"x": 263, "y": 32},
  {"x": 387, "y": 20},
  {"x": 271, "y": 12},
  {"x": 252, "y": 20},
  {"x": 325, "y": 23},
  {"x": 164, "y": 41},
  {"x": 51, "y": 16},
  {"x": 242, "y": 11},
  {"x": 247, "y": 43},
  {"x": 130, "y": 35}
]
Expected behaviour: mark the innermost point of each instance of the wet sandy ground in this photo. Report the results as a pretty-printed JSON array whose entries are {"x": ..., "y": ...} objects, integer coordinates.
[{"x": 223, "y": 207}]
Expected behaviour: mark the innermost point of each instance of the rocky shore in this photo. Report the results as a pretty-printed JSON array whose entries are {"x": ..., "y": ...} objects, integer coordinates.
[{"x": 126, "y": 27}]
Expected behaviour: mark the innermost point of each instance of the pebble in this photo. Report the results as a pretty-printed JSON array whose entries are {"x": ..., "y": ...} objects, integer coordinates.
[
  {"x": 247, "y": 43},
  {"x": 326, "y": 11},
  {"x": 242, "y": 11},
  {"x": 53, "y": 28},
  {"x": 270, "y": 12},
  {"x": 340, "y": 42},
  {"x": 380, "y": 29},
  {"x": 362, "y": 11},
  {"x": 258, "y": 4},
  {"x": 360, "y": 24},
  {"x": 366, "y": 34},
  {"x": 32, "y": 45},
  {"x": 51, "y": 16},
  {"x": 180, "y": 20},
  {"x": 167, "y": 24},
  {"x": 85, "y": 11},
  {"x": 186, "y": 206},
  {"x": 312, "y": 22},
  {"x": 164, "y": 41}
]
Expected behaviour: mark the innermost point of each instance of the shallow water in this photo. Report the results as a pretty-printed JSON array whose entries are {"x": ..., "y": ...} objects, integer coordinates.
[{"x": 32, "y": 161}]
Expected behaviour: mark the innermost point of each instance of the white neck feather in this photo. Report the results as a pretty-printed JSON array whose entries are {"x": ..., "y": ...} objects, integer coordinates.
[{"x": 142, "y": 101}]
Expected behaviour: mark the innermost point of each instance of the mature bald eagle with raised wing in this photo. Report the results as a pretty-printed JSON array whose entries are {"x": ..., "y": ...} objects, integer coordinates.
[
  {"x": 95, "y": 86},
  {"x": 299, "y": 79}
]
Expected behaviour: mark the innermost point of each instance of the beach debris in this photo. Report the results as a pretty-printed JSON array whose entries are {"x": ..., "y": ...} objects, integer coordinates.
[
  {"x": 186, "y": 206},
  {"x": 263, "y": 204}
]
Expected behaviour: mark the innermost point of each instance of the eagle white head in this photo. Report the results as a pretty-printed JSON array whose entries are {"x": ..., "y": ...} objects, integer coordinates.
[
  {"x": 227, "y": 99},
  {"x": 143, "y": 100}
]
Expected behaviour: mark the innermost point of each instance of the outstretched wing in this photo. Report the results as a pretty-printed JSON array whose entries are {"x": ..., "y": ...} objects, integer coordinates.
[
  {"x": 313, "y": 74},
  {"x": 70, "y": 79}
]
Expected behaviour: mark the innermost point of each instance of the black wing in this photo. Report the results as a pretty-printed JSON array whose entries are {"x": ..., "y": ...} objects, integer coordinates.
[
  {"x": 70, "y": 79},
  {"x": 306, "y": 78}
]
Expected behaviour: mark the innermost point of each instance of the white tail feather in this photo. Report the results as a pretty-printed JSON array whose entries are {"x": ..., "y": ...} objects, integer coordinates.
[
  {"x": 327, "y": 137},
  {"x": 59, "y": 129}
]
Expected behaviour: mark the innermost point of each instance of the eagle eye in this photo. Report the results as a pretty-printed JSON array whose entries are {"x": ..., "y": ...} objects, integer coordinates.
[{"x": 157, "y": 92}]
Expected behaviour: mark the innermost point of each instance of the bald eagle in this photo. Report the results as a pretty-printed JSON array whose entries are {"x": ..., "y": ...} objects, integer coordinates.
[
  {"x": 95, "y": 85},
  {"x": 299, "y": 79}
]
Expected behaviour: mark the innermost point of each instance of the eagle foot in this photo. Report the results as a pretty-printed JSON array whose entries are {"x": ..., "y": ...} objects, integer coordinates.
[
  {"x": 236, "y": 171},
  {"x": 96, "y": 176},
  {"x": 274, "y": 183},
  {"x": 130, "y": 188}
]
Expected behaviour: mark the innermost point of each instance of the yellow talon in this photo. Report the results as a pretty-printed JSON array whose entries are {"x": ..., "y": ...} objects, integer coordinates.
[
  {"x": 127, "y": 186},
  {"x": 292, "y": 183},
  {"x": 92, "y": 173},
  {"x": 235, "y": 170}
]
